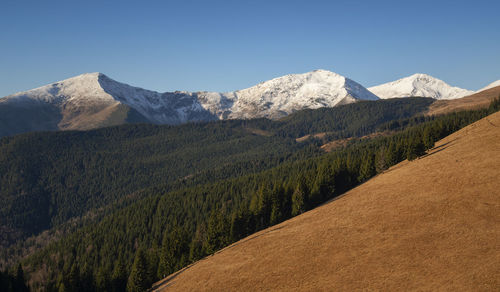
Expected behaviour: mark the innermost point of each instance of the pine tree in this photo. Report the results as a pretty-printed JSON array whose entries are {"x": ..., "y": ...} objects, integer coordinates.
[
  {"x": 196, "y": 245},
  {"x": 102, "y": 280},
  {"x": 74, "y": 278},
  {"x": 20, "y": 283},
  {"x": 217, "y": 232},
  {"x": 299, "y": 198},
  {"x": 260, "y": 206},
  {"x": 415, "y": 148},
  {"x": 62, "y": 288},
  {"x": 174, "y": 245},
  {"x": 428, "y": 137},
  {"x": 391, "y": 156},
  {"x": 324, "y": 185},
  {"x": 138, "y": 278},
  {"x": 277, "y": 205},
  {"x": 119, "y": 277},
  {"x": 381, "y": 160},
  {"x": 153, "y": 258},
  {"x": 367, "y": 168},
  {"x": 240, "y": 224}
]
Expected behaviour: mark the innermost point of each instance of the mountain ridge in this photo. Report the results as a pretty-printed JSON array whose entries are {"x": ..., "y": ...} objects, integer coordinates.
[{"x": 94, "y": 100}]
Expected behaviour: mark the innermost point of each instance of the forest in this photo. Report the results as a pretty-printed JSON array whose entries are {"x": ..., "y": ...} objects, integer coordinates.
[
  {"x": 48, "y": 178},
  {"x": 167, "y": 206}
]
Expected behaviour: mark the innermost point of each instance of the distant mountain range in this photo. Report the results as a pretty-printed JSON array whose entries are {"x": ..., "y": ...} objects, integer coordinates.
[{"x": 94, "y": 100}]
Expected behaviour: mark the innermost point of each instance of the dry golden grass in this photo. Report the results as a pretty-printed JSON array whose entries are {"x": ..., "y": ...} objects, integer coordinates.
[
  {"x": 306, "y": 137},
  {"x": 478, "y": 100},
  {"x": 432, "y": 224},
  {"x": 91, "y": 116}
]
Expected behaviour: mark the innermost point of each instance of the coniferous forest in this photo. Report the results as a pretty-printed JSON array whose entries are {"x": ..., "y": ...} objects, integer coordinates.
[{"x": 119, "y": 208}]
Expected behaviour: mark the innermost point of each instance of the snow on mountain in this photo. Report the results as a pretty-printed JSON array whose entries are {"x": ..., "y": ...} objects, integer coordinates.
[
  {"x": 491, "y": 85},
  {"x": 81, "y": 88},
  {"x": 272, "y": 99},
  {"x": 161, "y": 108},
  {"x": 419, "y": 85},
  {"x": 99, "y": 91},
  {"x": 281, "y": 96}
]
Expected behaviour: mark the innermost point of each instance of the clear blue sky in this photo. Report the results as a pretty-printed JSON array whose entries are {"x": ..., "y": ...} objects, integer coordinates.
[{"x": 227, "y": 45}]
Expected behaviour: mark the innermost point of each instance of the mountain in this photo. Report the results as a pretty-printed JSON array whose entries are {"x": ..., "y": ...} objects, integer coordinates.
[
  {"x": 419, "y": 85},
  {"x": 94, "y": 100},
  {"x": 491, "y": 85},
  {"x": 76, "y": 103},
  {"x": 281, "y": 96},
  {"x": 428, "y": 224}
]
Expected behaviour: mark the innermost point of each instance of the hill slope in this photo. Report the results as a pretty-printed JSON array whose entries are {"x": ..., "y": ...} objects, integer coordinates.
[{"x": 431, "y": 224}]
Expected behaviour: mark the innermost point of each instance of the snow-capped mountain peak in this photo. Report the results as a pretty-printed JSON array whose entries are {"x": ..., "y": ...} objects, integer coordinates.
[
  {"x": 284, "y": 95},
  {"x": 419, "y": 85},
  {"x": 85, "y": 86}
]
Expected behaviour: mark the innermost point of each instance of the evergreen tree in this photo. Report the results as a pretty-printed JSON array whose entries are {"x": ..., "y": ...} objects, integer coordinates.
[
  {"x": 62, "y": 288},
  {"x": 428, "y": 137},
  {"x": 367, "y": 168},
  {"x": 119, "y": 277},
  {"x": 138, "y": 278},
  {"x": 324, "y": 185},
  {"x": 277, "y": 205},
  {"x": 102, "y": 280},
  {"x": 299, "y": 198},
  {"x": 381, "y": 163},
  {"x": 217, "y": 231},
  {"x": 415, "y": 148},
  {"x": 174, "y": 245},
  {"x": 196, "y": 245},
  {"x": 20, "y": 283},
  {"x": 391, "y": 156},
  {"x": 261, "y": 206},
  {"x": 74, "y": 278},
  {"x": 240, "y": 223}
]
